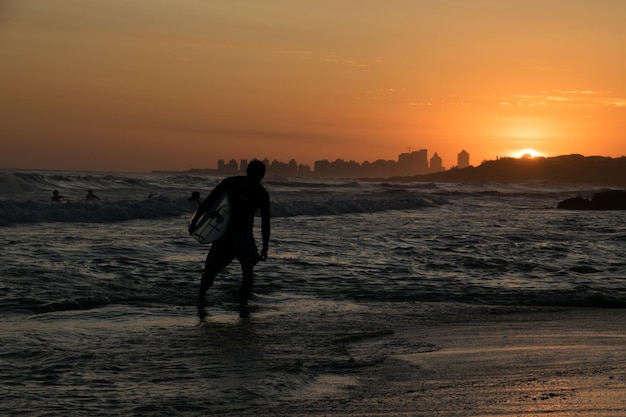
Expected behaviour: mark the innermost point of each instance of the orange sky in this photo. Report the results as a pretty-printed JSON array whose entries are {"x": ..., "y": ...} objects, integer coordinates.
[{"x": 117, "y": 85}]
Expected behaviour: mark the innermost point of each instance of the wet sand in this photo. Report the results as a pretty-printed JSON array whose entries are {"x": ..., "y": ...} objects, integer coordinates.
[
  {"x": 479, "y": 361},
  {"x": 299, "y": 356}
]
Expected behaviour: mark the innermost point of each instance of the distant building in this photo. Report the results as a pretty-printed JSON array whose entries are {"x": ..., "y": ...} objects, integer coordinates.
[
  {"x": 283, "y": 169},
  {"x": 304, "y": 171},
  {"x": 436, "y": 164},
  {"x": 463, "y": 159},
  {"x": 405, "y": 165},
  {"x": 420, "y": 159},
  {"x": 414, "y": 163},
  {"x": 228, "y": 168}
]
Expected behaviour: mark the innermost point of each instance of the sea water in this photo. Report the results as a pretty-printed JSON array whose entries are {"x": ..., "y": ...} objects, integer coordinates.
[{"x": 97, "y": 298}]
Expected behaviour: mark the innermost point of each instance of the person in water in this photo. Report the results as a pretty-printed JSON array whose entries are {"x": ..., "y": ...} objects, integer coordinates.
[
  {"x": 247, "y": 195},
  {"x": 91, "y": 196},
  {"x": 56, "y": 196},
  {"x": 195, "y": 197}
]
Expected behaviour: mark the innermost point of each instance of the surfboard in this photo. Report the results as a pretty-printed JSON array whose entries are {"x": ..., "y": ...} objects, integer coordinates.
[{"x": 214, "y": 222}]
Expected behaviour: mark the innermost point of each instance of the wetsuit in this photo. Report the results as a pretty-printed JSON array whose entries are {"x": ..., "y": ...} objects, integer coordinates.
[{"x": 246, "y": 198}]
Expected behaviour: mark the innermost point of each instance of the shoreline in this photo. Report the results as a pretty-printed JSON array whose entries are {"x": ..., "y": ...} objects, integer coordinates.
[
  {"x": 484, "y": 362},
  {"x": 312, "y": 357}
]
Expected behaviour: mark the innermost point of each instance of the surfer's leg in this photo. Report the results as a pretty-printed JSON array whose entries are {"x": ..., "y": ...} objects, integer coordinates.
[
  {"x": 207, "y": 280},
  {"x": 248, "y": 255},
  {"x": 247, "y": 270},
  {"x": 218, "y": 258}
]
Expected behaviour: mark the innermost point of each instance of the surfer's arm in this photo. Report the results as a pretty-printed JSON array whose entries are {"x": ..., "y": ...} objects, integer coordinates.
[
  {"x": 265, "y": 227},
  {"x": 204, "y": 206}
]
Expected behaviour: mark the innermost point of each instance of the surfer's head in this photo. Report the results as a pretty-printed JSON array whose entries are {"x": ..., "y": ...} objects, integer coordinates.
[{"x": 256, "y": 170}]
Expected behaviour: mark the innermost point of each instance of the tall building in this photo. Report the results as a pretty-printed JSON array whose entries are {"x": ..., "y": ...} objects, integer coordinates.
[
  {"x": 436, "y": 163},
  {"x": 405, "y": 167},
  {"x": 420, "y": 161},
  {"x": 414, "y": 163},
  {"x": 463, "y": 159},
  {"x": 230, "y": 167}
]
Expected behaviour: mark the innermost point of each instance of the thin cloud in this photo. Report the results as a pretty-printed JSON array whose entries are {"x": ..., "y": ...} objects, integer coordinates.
[
  {"x": 350, "y": 62},
  {"x": 576, "y": 98},
  {"x": 388, "y": 94},
  {"x": 293, "y": 52},
  {"x": 353, "y": 63}
]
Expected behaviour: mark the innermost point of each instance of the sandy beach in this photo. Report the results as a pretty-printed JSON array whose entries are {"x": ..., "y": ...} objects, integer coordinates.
[
  {"x": 480, "y": 362},
  {"x": 322, "y": 359}
]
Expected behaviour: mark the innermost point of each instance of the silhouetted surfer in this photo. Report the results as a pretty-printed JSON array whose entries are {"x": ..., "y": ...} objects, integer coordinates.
[
  {"x": 247, "y": 195},
  {"x": 195, "y": 197},
  {"x": 56, "y": 196},
  {"x": 91, "y": 196}
]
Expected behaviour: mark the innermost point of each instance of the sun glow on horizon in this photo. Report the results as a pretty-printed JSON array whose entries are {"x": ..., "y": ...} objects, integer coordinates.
[{"x": 528, "y": 153}]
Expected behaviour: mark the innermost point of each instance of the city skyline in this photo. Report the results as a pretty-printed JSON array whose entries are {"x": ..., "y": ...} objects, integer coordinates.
[
  {"x": 406, "y": 164},
  {"x": 572, "y": 168}
]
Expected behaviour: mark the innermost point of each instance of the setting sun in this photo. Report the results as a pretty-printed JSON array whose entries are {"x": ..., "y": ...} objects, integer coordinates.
[{"x": 528, "y": 153}]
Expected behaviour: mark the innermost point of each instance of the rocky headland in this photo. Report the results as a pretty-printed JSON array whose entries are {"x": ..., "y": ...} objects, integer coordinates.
[{"x": 577, "y": 169}]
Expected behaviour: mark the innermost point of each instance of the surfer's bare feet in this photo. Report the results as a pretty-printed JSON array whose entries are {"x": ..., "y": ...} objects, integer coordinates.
[
  {"x": 201, "y": 305},
  {"x": 202, "y": 313}
]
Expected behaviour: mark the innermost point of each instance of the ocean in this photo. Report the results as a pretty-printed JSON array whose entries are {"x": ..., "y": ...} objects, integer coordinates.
[{"x": 97, "y": 298}]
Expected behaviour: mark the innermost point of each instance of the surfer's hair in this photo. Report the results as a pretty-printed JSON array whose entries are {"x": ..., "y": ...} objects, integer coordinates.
[{"x": 256, "y": 169}]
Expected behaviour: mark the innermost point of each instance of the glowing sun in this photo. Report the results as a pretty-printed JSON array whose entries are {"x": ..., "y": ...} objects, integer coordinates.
[{"x": 528, "y": 153}]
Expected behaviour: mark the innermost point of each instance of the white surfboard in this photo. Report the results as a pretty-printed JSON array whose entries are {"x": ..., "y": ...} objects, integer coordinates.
[{"x": 214, "y": 222}]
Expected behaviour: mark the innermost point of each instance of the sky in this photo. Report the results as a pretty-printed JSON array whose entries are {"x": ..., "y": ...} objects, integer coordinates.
[{"x": 141, "y": 85}]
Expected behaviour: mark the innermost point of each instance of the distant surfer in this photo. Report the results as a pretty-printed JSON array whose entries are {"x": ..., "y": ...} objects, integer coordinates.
[
  {"x": 247, "y": 195},
  {"x": 195, "y": 197},
  {"x": 91, "y": 196},
  {"x": 56, "y": 196}
]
